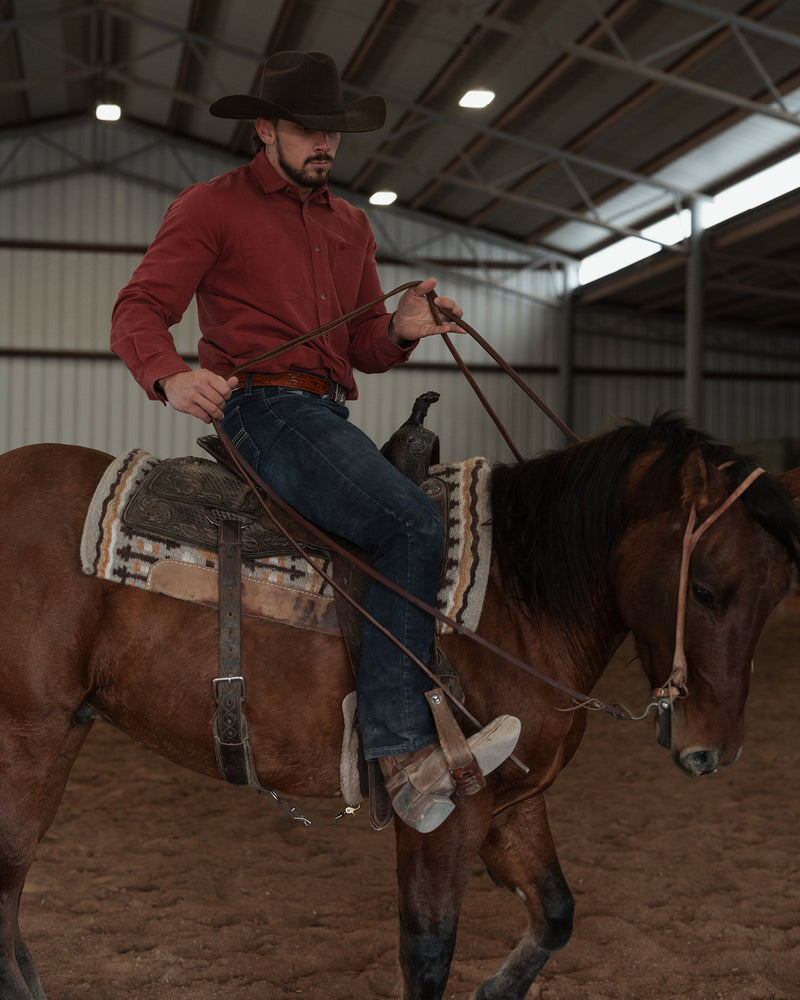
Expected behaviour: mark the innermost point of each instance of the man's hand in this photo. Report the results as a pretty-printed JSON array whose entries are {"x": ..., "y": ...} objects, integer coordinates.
[
  {"x": 198, "y": 393},
  {"x": 413, "y": 320}
]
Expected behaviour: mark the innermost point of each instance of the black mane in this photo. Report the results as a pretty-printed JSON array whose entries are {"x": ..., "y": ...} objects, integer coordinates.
[{"x": 557, "y": 518}]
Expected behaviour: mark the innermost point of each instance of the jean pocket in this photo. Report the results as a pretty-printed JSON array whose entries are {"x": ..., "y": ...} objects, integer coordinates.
[{"x": 240, "y": 438}]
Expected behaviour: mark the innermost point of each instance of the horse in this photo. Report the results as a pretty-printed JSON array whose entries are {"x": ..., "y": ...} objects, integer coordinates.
[{"x": 588, "y": 546}]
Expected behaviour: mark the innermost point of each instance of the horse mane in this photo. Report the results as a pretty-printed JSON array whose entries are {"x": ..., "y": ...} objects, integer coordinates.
[{"x": 557, "y": 518}]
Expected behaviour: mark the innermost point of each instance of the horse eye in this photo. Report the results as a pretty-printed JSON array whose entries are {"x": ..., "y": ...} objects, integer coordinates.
[{"x": 703, "y": 597}]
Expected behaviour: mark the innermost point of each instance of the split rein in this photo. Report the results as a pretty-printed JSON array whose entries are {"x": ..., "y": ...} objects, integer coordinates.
[
  {"x": 676, "y": 685},
  {"x": 259, "y": 486}
]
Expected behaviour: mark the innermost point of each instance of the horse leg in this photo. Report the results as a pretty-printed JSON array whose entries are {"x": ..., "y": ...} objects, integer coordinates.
[
  {"x": 519, "y": 854},
  {"x": 433, "y": 870},
  {"x": 13, "y": 980},
  {"x": 28, "y": 969},
  {"x": 34, "y": 790}
]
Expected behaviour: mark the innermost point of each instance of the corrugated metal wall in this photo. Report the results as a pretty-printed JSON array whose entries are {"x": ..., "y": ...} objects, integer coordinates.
[
  {"x": 631, "y": 365},
  {"x": 57, "y": 303},
  {"x": 59, "y": 382}
]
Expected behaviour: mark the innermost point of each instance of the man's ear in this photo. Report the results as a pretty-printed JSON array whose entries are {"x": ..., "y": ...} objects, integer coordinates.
[{"x": 265, "y": 129}]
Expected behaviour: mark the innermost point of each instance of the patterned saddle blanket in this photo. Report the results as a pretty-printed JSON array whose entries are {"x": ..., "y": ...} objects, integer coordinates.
[{"x": 142, "y": 530}]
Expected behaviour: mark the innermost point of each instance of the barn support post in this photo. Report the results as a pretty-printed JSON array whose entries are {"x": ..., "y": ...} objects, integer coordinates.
[
  {"x": 565, "y": 352},
  {"x": 694, "y": 319}
]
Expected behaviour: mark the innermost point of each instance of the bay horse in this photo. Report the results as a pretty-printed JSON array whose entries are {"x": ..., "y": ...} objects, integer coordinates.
[{"x": 587, "y": 547}]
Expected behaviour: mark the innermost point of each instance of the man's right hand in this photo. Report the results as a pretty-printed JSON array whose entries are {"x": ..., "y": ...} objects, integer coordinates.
[{"x": 199, "y": 393}]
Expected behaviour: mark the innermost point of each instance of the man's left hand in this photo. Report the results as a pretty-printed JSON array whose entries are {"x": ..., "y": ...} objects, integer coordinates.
[{"x": 413, "y": 320}]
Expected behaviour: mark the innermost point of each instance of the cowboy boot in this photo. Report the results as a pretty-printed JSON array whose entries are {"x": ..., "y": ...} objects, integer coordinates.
[{"x": 420, "y": 784}]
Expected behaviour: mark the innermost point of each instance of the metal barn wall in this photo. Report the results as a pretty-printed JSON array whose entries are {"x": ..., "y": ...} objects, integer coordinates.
[
  {"x": 69, "y": 240},
  {"x": 631, "y": 365}
]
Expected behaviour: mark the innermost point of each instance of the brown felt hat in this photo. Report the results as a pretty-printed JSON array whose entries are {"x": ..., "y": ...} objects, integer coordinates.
[{"x": 304, "y": 87}]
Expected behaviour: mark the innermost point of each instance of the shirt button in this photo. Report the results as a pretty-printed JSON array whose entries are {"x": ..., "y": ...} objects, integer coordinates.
[
  {"x": 317, "y": 249},
  {"x": 324, "y": 297}
]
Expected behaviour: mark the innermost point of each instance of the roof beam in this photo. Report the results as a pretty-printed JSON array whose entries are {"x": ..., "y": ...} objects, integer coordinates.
[
  {"x": 462, "y": 58},
  {"x": 501, "y": 194},
  {"x": 735, "y": 20},
  {"x": 633, "y": 66},
  {"x": 440, "y": 118},
  {"x": 691, "y": 59},
  {"x": 549, "y": 78}
]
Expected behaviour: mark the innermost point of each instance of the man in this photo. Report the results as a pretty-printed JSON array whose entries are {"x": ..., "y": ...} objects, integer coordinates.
[{"x": 269, "y": 253}]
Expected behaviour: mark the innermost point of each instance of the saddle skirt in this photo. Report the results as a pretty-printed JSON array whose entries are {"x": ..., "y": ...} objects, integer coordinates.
[{"x": 153, "y": 524}]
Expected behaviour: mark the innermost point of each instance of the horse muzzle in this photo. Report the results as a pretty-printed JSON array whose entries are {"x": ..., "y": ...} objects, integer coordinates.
[
  {"x": 698, "y": 760},
  {"x": 694, "y": 760}
]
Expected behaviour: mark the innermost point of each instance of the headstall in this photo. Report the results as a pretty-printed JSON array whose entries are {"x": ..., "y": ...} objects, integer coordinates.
[{"x": 677, "y": 682}]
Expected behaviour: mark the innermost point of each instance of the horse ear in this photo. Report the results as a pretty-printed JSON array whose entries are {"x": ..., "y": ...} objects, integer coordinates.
[
  {"x": 791, "y": 480},
  {"x": 702, "y": 485}
]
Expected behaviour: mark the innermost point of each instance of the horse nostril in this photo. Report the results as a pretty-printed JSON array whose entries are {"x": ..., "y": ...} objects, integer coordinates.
[{"x": 700, "y": 761}]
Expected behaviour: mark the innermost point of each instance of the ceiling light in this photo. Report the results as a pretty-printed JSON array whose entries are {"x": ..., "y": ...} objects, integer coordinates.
[
  {"x": 476, "y": 99},
  {"x": 108, "y": 112},
  {"x": 383, "y": 198}
]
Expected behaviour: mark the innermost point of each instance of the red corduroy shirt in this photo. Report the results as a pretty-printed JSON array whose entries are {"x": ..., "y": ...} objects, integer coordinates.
[{"x": 264, "y": 267}]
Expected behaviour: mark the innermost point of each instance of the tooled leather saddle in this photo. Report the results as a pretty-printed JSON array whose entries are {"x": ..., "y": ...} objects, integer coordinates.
[{"x": 208, "y": 504}]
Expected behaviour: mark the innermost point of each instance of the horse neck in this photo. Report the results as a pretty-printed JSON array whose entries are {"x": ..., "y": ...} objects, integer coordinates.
[{"x": 571, "y": 653}]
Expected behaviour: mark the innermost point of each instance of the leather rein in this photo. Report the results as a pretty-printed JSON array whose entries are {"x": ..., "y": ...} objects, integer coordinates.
[{"x": 676, "y": 684}]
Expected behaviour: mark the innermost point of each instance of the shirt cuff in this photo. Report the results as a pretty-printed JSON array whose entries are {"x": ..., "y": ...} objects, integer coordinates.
[
  {"x": 156, "y": 372},
  {"x": 406, "y": 346}
]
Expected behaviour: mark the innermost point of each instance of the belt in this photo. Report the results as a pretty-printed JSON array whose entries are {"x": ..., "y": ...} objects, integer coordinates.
[{"x": 318, "y": 384}]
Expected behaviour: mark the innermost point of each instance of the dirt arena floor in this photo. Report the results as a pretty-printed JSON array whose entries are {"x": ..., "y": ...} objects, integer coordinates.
[{"x": 156, "y": 884}]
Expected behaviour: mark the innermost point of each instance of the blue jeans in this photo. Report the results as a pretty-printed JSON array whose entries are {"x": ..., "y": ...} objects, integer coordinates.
[{"x": 305, "y": 448}]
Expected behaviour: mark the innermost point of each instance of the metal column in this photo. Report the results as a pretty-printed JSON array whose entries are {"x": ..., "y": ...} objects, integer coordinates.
[
  {"x": 565, "y": 358},
  {"x": 694, "y": 320}
]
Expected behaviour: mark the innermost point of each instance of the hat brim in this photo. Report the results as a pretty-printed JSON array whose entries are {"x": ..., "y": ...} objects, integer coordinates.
[{"x": 363, "y": 115}]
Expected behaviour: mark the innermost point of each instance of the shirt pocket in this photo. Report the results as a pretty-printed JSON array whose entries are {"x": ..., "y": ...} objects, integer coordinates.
[
  {"x": 347, "y": 266},
  {"x": 274, "y": 270}
]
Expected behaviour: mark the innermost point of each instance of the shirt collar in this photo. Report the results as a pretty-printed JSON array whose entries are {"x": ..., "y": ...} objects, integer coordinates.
[{"x": 272, "y": 182}]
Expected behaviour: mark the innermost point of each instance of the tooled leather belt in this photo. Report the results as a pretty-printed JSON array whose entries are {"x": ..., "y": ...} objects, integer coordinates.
[{"x": 308, "y": 381}]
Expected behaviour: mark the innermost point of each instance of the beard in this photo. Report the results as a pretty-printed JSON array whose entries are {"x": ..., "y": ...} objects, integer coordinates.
[{"x": 312, "y": 174}]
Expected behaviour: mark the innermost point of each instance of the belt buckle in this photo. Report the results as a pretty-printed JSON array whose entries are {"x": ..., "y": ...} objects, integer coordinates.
[{"x": 336, "y": 393}]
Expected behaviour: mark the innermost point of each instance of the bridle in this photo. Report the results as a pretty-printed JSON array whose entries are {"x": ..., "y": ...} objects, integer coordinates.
[{"x": 676, "y": 685}]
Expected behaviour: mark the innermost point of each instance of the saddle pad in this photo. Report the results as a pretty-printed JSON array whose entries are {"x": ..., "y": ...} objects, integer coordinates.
[
  {"x": 462, "y": 585},
  {"x": 284, "y": 588}
]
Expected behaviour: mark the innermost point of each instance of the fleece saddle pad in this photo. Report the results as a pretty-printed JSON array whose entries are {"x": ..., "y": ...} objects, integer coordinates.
[{"x": 277, "y": 583}]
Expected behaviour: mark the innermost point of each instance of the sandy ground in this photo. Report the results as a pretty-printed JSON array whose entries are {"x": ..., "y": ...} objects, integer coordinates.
[{"x": 156, "y": 884}]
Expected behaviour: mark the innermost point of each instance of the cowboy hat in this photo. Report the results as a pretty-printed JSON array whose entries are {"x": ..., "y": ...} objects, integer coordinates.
[{"x": 304, "y": 87}]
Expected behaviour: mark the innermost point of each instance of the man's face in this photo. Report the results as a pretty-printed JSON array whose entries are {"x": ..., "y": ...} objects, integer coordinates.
[{"x": 303, "y": 156}]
